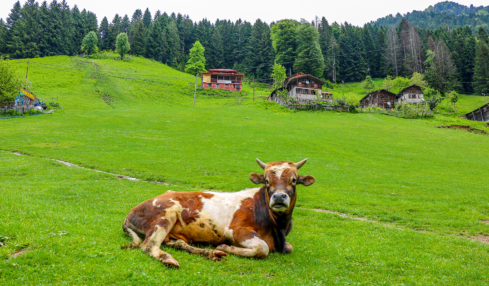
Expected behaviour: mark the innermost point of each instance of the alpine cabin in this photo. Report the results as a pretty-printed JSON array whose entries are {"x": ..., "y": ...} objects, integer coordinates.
[
  {"x": 222, "y": 79},
  {"x": 412, "y": 94},
  {"x": 301, "y": 86},
  {"x": 378, "y": 98}
]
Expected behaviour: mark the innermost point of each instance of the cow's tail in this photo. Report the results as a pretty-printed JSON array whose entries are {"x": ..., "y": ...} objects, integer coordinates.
[{"x": 129, "y": 230}]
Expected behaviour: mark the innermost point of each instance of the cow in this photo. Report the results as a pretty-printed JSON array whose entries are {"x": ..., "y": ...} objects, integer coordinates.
[{"x": 249, "y": 223}]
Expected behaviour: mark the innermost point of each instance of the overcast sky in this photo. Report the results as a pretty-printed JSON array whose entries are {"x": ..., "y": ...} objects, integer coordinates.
[{"x": 357, "y": 12}]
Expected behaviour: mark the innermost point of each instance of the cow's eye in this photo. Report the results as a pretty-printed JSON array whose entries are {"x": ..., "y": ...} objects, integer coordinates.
[
  {"x": 266, "y": 181},
  {"x": 293, "y": 180}
]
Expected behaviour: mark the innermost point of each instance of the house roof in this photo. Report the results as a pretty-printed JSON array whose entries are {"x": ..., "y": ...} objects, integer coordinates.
[
  {"x": 377, "y": 91},
  {"x": 412, "y": 85},
  {"x": 485, "y": 105},
  {"x": 296, "y": 76}
]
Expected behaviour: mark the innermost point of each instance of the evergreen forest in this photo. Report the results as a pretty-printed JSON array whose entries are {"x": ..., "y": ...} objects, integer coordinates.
[{"x": 447, "y": 43}]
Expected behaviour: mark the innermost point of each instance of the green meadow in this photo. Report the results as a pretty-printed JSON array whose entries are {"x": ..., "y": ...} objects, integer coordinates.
[{"x": 407, "y": 203}]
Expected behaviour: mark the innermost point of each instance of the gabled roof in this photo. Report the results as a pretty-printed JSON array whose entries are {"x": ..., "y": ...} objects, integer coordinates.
[
  {"x": 477, "y": 109},
  {"x": 296, "y": 76},
  {"x": 412, "y": 85},
  {"x": 377, "y": 91}
]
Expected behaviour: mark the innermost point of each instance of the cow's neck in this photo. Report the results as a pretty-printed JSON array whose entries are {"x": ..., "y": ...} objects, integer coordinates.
[{"x": 277, "y": 224}]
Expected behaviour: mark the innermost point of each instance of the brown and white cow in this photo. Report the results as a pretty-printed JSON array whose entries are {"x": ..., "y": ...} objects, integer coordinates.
[{"x": 249, "y": 223}]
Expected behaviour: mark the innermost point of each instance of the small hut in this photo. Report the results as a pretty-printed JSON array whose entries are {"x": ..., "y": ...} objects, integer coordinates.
[
  {"x": 412, "y": 94},
  {"x": 301, "y": 87},
  {"x": 480, "y": 114},
  {"x": 378, "y": 98}
]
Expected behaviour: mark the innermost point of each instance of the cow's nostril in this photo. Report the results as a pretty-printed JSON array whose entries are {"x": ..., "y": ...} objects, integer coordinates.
[{"x": 284, "y": 196}]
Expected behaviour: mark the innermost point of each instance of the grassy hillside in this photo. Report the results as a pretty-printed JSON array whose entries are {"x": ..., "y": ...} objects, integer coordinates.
[{"x": 422, "y": 190}]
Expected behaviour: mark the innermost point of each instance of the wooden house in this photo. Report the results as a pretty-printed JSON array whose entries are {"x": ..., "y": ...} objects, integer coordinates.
[
  {"x": 378, "y": 98},
  {"x": 301, "y": 87},
  {"x": 222, "y": 79},
  {"x": 480, "y": 114},
  {"x": 412, "y": 94}
]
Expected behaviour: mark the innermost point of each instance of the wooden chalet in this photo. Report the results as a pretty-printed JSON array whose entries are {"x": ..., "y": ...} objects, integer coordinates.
[
  {"x": 412, "y": 94},
  {"x": 480, "y": 114},
  {"x": 301, "y": 87},
  {"x": 222, "y": 79},
  {"x": 378, "y": 98}
]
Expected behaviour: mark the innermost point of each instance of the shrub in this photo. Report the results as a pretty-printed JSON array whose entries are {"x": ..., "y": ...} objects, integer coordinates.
[
  {"x": 13, "y": 112},
  {"x": 32, "y": 111}
]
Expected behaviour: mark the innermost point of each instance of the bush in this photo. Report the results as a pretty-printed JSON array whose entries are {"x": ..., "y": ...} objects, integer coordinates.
[
  {"x": 32, "y": 111},
  {"x": 9, "y": 81},
  {"x": 13, "y": 113}
]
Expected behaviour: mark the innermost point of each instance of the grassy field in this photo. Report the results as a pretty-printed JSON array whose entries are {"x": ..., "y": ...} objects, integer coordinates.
[{"x": 423, "y": 190}]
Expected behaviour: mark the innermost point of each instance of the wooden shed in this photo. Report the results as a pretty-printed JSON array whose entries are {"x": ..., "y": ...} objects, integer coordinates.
[
  {"x": 412, "y": 94},
  {"x": 301, "y": 86},
  {"x": 480, "y": 114},
  {"x": 378, "y": 98}
]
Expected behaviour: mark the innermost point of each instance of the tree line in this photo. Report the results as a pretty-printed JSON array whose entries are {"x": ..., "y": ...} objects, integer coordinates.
[{"x": 449, "y": 58}]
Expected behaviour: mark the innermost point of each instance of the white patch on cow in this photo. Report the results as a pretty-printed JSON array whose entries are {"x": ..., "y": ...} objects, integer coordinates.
[
  {"x": 176, "y": 208},
  {"x": 154, "y": 203},
  {"x": 220, "y": 209},
  {"x": 278, "y": 170},
  {"x": 228, "y": 234},
  {"x": 259, "y": 246}
]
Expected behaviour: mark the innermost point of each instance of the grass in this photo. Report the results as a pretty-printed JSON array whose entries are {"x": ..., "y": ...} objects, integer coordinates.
[{"x": 424, "y": 186}]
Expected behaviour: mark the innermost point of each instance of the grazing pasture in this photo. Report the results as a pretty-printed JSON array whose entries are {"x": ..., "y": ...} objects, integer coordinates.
[{"x": 407, "y": 203}]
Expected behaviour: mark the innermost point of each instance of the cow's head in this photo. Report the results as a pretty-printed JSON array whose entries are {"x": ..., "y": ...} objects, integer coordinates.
[{"x": 280, "y": 180}]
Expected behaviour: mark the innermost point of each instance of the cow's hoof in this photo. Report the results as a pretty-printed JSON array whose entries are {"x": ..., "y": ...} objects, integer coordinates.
[
  {"x": 288, "y": 248},
  {"x": 218, "y": 255},
  {"x": 171, "y": 262}
]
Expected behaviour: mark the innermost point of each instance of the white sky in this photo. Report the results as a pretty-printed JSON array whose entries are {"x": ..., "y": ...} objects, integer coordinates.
[{"x": 357, "y": 12}]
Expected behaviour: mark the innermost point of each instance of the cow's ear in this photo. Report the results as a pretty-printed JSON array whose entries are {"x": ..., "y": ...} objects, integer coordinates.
[
  {"x": 306, "y": 180},
  {"x": 257, "y": 178}
]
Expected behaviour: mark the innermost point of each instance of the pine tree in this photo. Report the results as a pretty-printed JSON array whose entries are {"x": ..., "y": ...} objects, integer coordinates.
[
  {"x": 30, "y": 30},
  {"x": 379, "y": 55},
  {"x": 352, "y": 66},
  {"x": 214, "y": 59},
  {"x": 154, "y": 42},
  {"x": 147, "y": 18},
  {"x": 3, "y": 35},
  {"x": 125, "y": 24},
  {"x": 369, "y": 46},
  {"x": 285, "y": 42},
  {"x": 122, "y": 45},
  {"x": 114, "y": 30},
  {"x": 309, "y": 56},
  {"x": 136, "y": 38},
  {"x": 174, "y": 46},
  {"x": 483, "y": 36},
  {"x": 137, "y": 16},
  {"x": 104, "y": 32},
  {"x": 260, "y": 51},
  {"x": 196, "y": 62},
  {"x": 14, "y": 44},
  {"x": 481, "y": 70}
]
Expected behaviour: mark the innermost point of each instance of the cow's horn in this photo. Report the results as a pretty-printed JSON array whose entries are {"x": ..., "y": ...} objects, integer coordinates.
[
  {"x": 300, "y": 164},
  {"x": 262, "y": 165}
]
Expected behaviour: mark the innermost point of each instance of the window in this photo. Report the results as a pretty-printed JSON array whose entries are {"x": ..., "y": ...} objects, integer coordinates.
[
  {"x": 217, "y": 85},
  {"x": 234, "y": 86},
  {"x": 233, "y": 78},
  {"x": 226, "y": 78},
  {"x": 237, "y": 87},
  {"x": 226, "y": 86},
  {"x": 209, "y": 85}
]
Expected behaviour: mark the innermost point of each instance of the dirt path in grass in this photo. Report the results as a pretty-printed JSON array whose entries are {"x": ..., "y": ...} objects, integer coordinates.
[
  {"x": 68, "y": 164},
  {"x": 481, "y": 237}
]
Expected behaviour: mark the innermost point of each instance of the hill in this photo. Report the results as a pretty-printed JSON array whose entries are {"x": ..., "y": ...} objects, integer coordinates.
[
  {"x": 444, "y": 14},
  {"x": 395, "y": 201}
]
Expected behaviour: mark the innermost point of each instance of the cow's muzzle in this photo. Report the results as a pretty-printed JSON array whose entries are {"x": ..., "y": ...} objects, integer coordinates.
[{"x": 279, "y": 202}]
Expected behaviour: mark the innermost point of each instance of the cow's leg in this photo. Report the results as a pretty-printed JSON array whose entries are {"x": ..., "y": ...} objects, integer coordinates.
[
  {"x": 129, "y": 230},
  {"x": 249, "y": 245},
  {"x": 180, "y": 244},
  {"x": 155, "y": 237},
  {"x": 288, "y": 248}
]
